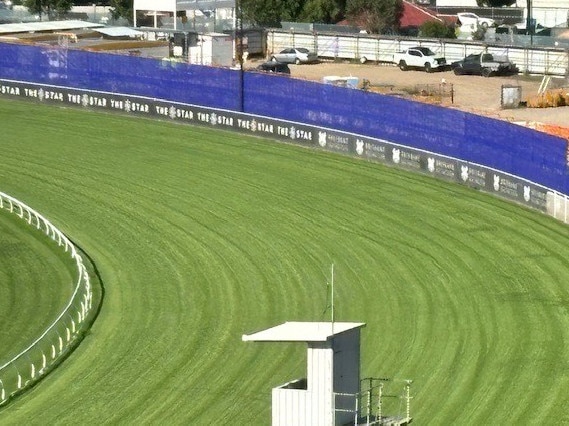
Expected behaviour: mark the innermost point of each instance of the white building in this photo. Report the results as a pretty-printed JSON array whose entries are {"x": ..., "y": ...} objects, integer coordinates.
[
  {"x": 212, "y": 49},
  {"x": 333, "y": 372},
  {"x": 547, "y": 13},
  {"x": 170, "y": 9}
]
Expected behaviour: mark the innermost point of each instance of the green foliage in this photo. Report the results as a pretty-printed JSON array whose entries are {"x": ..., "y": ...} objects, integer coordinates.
[
  {"x": 122, "y": 9},
  {"x": 323, "y": 11},
  {"x": 268, "y": 13},
  {"x": 436, "y": 29},
  {"x": 50, "y": 8},
  {"x": 376, "y": 16},
  {"x": 479, "y": 34}
]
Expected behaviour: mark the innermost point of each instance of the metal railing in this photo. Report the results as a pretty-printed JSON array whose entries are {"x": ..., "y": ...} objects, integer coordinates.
[
  {"x": 33, "y": 362},
  {"x": 369, "y": 47},
  {"x": 367, "y": 405}
]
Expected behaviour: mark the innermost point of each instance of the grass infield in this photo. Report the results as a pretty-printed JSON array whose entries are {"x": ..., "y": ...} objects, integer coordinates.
[
  {"x": 36, "y": 282},
  {"x": 201, "y": 236}
]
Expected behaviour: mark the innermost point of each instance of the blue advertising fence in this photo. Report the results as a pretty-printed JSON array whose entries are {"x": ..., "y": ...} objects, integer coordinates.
[{"x": 523, "y": 152}]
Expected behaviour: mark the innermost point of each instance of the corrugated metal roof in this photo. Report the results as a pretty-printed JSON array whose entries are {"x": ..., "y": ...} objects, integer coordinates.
[
  {"x": 302, "y": 332},
  {"x": 28, "y": 27},
  {"x": 171, "y": 5},
  {"x": 119, "y": 32},
  {"x": 415, "y": 16}
]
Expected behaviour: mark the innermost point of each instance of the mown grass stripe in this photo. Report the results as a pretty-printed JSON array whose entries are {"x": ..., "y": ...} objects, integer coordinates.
[{"x": 201, "y": 236}]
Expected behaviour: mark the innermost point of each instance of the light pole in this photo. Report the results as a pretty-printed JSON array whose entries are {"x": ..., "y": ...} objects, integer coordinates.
[
  {"x": 529, "y": 22},
  {"x": 239, "y": 38},
  {"x": 39, "y": 7}
]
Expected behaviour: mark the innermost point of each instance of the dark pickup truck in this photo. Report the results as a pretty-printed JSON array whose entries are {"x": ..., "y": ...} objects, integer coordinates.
[{"x": 484, "y": 64}]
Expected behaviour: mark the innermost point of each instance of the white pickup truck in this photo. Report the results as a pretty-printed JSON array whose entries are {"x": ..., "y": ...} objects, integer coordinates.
[{"x": 419, "y": 57}]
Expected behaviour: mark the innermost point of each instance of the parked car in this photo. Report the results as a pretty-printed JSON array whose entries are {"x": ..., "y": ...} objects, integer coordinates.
[
  {"x": 295, "y": 55},
  {"x": 274, "y": 66},
  {"x": 419, "y": 57},
  {"x": 484, "y": 64},
  {"x": 473, "y": 20}
]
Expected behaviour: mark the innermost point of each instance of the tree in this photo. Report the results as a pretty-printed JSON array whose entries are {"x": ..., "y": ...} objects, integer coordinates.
[
  {"x": 292, "y": 9},
  {"x": 376, "y": 16},
  {"x": 323, "y": 11},
  {"x": 264, "y": 13},
  {"x": 436, "y": 29},
  {"x": 122, "y": 9},
  {"x": 50, "y": 8}
]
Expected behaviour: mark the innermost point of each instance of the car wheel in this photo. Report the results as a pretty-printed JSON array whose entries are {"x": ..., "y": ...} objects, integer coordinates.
[
  {"x": 297, "y": 61},
  {"x": 428, "y": 67},
  {"x": 458, "y": 71},
  {"x": 484, "y": 25},
  {"x": 486, "y": 72},
  {"x": 363, "y": 60},
  {"x": 403, "y": 66}
]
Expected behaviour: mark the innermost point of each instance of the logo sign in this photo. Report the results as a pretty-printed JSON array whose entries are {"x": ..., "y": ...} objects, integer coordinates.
[
  {"x": 496, "y": 183},
  {"x": 376, "y": 150},
  {"x": 360, "y": 147},
  {"x": 322, "y": 139},
  {"x": 396, "y": 155},
  {"x": 379, "y": 150},
  {"x": 464, "y": 173}
]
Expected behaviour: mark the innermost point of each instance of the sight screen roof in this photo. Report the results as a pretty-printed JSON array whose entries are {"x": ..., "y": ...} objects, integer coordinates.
[
  {"x": 302, "y": 331},
  {"x": 31, "y": 27}
]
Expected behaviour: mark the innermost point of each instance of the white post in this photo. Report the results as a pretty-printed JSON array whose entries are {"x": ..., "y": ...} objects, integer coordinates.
[
  {"x": 368, "y": 405},
  {"x": 356, "y": 413},
  {"x": 379, "y": 402},
  {"x": 408, "y": 386}
]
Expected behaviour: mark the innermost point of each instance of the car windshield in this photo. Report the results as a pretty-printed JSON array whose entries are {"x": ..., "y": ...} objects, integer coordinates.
[{"x": 426, "y": 51}]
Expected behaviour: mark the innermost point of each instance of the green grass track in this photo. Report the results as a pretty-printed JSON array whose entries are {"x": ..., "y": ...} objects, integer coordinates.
[
  {"x": 37, "y": 279},
  {"x": 201, "y": 236}
]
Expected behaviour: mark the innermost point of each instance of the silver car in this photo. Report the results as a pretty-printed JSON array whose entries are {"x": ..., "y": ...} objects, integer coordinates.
[
  {"x": 294, "y": 55},
  {"x": 472, "y": 20}
]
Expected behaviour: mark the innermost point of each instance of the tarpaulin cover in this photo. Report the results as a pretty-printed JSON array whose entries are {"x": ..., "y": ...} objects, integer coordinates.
[{"x": 523, "y": 152}]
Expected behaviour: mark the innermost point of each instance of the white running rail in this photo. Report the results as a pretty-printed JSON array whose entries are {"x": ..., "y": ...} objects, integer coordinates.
[{"x": 46, "y": 351}]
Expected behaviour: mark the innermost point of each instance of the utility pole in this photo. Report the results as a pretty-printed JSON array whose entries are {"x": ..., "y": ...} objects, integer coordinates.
[
  {"x": 239, "y": 39},
  {"x": 529, "y": 22},
  {"x": 39, "y": 7}
]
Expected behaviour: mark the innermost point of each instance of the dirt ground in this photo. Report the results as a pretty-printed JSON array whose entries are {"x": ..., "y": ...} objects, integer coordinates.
[{"x": 475, "y": 94}]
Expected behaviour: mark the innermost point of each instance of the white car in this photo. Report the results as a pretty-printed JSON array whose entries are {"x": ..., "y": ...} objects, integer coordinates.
[
  {"x": 297, "y": 56},
  {"x": 472, "y": 20}
]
